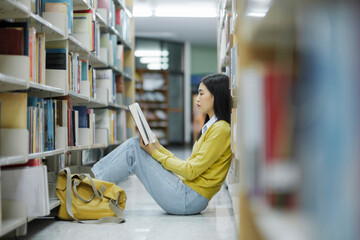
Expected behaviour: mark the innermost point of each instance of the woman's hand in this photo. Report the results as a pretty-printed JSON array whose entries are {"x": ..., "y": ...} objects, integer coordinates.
[
  {"x": 156, "y": 143},
  {"x": 151, "y": 147}
]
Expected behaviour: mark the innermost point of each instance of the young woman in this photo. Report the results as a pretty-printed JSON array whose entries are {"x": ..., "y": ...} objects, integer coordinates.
[{"x": 180, "y": 187}]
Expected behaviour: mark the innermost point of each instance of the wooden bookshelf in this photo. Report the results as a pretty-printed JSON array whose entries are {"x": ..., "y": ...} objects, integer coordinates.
[{"x": 13, "y": 213}]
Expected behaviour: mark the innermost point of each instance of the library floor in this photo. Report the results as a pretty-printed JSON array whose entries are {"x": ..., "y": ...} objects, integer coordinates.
[{"x": 146, "y": 220}]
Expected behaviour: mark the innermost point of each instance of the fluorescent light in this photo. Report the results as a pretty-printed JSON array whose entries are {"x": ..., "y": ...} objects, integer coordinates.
[
  {"x": 150, "y": 59},
  {"x": 186, "y": 11},
  {"x": 165, "y": 66},
  {"x": 154, "y": 66},
  {"x": 256, "y": 14},
  {"x": 165, "y": 53},
  {"x": 193, "y": 9},
  {"x": 157, "y": 66},
  {"x": 145, "y": 60},
  {"x": 151, "y": 53}
]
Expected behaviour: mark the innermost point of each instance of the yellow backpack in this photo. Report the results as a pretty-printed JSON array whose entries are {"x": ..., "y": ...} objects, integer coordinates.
[{"x": 85, "y": 198}]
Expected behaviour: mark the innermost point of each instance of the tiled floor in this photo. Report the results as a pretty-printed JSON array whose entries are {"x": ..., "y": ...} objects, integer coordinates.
[{"x": 146, "y": 220}]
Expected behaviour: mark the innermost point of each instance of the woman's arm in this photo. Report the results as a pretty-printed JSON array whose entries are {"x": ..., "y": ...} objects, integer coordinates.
[
  {"x": 155, "y": 146},
  {"x": 217, "y": 140}
]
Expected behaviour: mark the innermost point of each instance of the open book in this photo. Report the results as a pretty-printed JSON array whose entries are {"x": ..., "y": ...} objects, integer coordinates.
[{"x": 141, "y": 123}]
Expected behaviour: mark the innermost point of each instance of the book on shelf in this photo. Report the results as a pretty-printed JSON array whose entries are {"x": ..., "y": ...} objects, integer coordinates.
[
  {"x": 92, "y": 80},
  {"x": 40, "y": 58},
  {"x": 118, "y": 19},
  {"x": 35, "y": 7},
  {"x": 84, "y": 24},
  {"x": 120, "y": 56},
  {"x": 84, "y": 69},
  {"x": 82, "y": 30},
  {"x": 56, "y": 58},
  {"x": 56, "y": 7},
  {"x": 75, "y": 129},
  {"x": 112, "y": 16},
  {"x": 74, "y": 66},
  {"x": 49, "y": 125},
  {"x": 105, "y": 47},
  {"x": 45, "y": 7},
  {"x": 113, "y": 50},
  {"x": 30, "y": 163},
  {"x": 119, "y": 89},
  {"x": 29, "y": 185},
  {"x": 83, "y": 116},
  {"x": 141, "y": 124},
  {"x": 121, "y": 125},
  {"x": 0, "y": 126},
  {"x": 32, "y": 53},
  {"x": 33, "y": 124},
  {"x": 105, "y": 79},
  {"x": 13, "y": 110},
  {"x": 16, "y": 41},
  {"x": 106, "y": 119}
]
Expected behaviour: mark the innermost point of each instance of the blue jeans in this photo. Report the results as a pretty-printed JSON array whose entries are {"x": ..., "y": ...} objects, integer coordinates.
[{"x": 165, "y": 187}]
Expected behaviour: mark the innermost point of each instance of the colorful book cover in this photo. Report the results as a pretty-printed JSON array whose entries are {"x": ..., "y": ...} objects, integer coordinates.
[
  {"x": 83, "y": 118},
  {"x": 56, "y": 7},
  {"x": 32, "y": 49},
  {"x": 16, "y": 41},
  {"x": 69, "y": 10},
  {"x": 50, "y": 124},
  {"x": 13, "y": 110},
  {"x": 56, "y": 58},
  {"x": 84, "y": 70}
]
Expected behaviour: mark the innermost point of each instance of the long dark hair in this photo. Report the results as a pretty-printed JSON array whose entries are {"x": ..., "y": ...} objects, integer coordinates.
[{"x": 218, "y": 86}]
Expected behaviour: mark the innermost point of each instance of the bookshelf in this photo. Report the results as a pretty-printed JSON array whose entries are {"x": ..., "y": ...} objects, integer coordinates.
[
  {"x": 291, "y": 134},
  {"x": 28, "y": 76},
  {"x": 152, "y": 95}
]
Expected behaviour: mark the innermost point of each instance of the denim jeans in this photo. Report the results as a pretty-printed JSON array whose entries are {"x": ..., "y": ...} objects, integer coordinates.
[{"x": 165, "y": 187}]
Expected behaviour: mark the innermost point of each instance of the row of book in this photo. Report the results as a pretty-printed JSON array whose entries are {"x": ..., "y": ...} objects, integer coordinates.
[
  {"x": 84, "y": 21},
  {"x": 113, "y": 84},
  {"x": 123, "y": 25},
  {"x": 115, "y": 17},
  {"x": 111, "y": 51},
  {"x": 87, "y": 30},
  {"x": 263, "y": 123},
  {"x": 18, "y": 38},
  {"x": 53, "y": 123},
  {"x": 81, "y": 73}
]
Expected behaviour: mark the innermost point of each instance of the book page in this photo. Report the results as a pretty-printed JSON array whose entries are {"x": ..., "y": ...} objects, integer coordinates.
[
  {"x": 138, "y": 123},
  {"x": 146, "y": 124}
]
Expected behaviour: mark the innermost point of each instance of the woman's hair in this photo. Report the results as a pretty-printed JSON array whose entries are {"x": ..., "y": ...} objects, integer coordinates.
[{"x": 218, "y": 86}]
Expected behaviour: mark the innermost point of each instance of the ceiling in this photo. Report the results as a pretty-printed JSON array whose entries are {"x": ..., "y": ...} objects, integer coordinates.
[{"x": 196, "y": 30}]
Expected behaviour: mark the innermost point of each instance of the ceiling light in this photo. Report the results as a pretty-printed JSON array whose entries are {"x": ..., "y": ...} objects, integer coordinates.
[
  {"x": 165, "y": 66},
  {"x": 154, "y": 66},
  {"x": 256, "y": 14},
  {"x": 150, "y": 59},
  {"x": 186, "y": 11},
  {"x": 151, "y": 53}
]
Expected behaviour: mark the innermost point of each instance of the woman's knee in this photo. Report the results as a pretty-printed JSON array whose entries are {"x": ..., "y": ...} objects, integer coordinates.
[{"x": 134, "y": 141}]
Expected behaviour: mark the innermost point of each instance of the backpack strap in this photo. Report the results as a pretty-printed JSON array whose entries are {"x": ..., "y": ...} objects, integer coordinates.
[{"x": 113, "y": 204}]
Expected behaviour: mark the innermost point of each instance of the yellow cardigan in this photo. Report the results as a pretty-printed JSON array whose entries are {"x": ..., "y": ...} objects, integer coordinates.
[{"x": 206, "y": 169}]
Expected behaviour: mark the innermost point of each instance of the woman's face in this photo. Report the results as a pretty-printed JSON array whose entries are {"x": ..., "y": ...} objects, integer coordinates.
[{"x": 205, "y": 101}]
